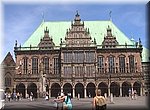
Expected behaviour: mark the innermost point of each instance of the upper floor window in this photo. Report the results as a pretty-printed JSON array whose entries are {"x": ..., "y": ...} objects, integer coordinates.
[
  {"x": 90, "y": 70},
  {"x": 122, "y": 64},
  {"x": 67, "y": 57},
  {"x": 56, "y": 66},
  {"x": 79, "y": 71},
  {"x": 78, "y": 57},
  {"x": 131, "y": 63},
  {"x": 68, "y": 71},
  {"x": 34, "y": 65},
  {"x": 100, "y": 64},
  {"x": 111, "y": 61},
  {"x": 46, "y": 65},
  {"x": 25, "y": 65},
  {"x": 90, "y": 56}
]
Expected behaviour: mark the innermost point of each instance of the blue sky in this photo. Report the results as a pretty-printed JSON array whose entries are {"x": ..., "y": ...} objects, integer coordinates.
[{"x": 21, "y": 20}]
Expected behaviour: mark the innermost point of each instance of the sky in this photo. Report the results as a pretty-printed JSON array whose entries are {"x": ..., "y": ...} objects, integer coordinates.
[{"x": 20, "y": 20}]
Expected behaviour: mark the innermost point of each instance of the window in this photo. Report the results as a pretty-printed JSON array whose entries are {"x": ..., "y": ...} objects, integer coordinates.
[
  {"x": 67, "y": 57},
  {"x": 68, "y": 71},
  {"x": 111, "y": 64},
  {"x": 34, "y": 65},
  {"x": 90, "y": 71},
  {"x": 7, "y": 81},
  {"x": 25, "y": 65},
  {"x": 78, "y": 57},
  {"x": 56, "y": 66},
  {"x": 122, "y": 64},
  {"x": 131, "y": 63},
  {"x": 79, "y": 71},
  {"x": 46, "y": 65},
  {"x": 90, "y": 56},
  {"x": 100, "y": 64}
]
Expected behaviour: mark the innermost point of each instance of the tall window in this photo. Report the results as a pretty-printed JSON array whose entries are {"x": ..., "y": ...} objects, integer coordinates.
[
  {"x": 56, "y": 66},
  {"x": 46, "y": 65},
  {"x": 7, "y": 81},
  {"x": 111, "y": 64},
  {"x": 79, "y": 71},
  {"x": 67, "y": 57},
  {"x": 90, "y": 70},
  {"x": 122, "y": 64},
  {"x": 100, "y": 64},
  {"x": 25, "y": 65},
  {"x": 131, "y": 63},
  {"x": 78, "y": 57},
  {"x": 34, "y": 65},
  {"x": 90, "y": 56},
  {"x": 68, "y": 71}
]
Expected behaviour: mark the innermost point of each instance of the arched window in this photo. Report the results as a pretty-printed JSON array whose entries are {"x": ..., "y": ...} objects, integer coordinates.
[
  {"x": 122, "y": 64},
  {"x": 7, "y": 81},
  {"x": 34, "y": 65},
  {"x": 111, "y": 61}
]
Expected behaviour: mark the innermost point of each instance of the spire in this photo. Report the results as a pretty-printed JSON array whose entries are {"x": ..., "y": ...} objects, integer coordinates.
[
  {"x": 46, "y": 31},
  {"x": 77, "y": 16}
]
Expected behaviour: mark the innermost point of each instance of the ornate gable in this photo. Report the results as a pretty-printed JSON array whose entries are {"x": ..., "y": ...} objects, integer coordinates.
[
  {"x": 78, "y": 36},
  {"x": 8, "y": 60},
  {"x": 46, "y": 42},
  {"x": 109, "y": 40}
]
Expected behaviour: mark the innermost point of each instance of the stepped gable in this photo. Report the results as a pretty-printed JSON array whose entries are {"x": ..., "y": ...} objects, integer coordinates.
[
  {"x": 8, "y": 60},
  {"x": 46, "y": 42},
  {"x": 109, "y": 40},
  {"x": 78, "y": 36}
]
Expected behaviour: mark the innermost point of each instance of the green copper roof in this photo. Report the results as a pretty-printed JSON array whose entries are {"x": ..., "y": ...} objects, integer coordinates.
[{"x": 97, "y": 29}]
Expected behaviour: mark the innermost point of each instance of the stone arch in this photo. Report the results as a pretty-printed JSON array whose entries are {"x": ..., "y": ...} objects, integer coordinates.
[
  {"x": 21, "y": 89},
  {"x": 137, "y": 87},
  {"x": 115, "y": 89},
  {"x": 125, "y": 88},
  {"x": 103, "y": 87},
  {"x": 79, "y": 89},
  {"x": 55, "y": 89},
  {"x": 90, "y": 89},
  {"x": 67, "y": 88},
  {"x": 32, "y": 87}
]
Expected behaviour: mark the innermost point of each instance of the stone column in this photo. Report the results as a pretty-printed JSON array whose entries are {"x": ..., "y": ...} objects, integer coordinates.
[
  {"x": 62, "y": 88},
  {"x": 141, "y": 90},
  {"x": 85, "y": 92},
  {"x": 120, "y": 89},
  {"x": 109, "y": 90},
  {"x": 49, "y": 92},
  {"x": 73, "y": 95}
]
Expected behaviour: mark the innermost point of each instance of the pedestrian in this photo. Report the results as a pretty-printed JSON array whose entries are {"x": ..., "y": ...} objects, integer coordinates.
[
  {"x": 9, "y": 96},
  {"x": 18, "y": 96},
  {"x": 67, "y": 104},
  {"x": 31, "y": 96},
  {"x": 47, "y": 96},
  {"x": 99, "y": 102},
  {"x": 135, "y": 94}
]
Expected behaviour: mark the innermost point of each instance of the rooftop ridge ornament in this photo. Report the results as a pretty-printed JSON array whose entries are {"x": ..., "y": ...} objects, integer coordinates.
[{"x": 43, "y": 17}]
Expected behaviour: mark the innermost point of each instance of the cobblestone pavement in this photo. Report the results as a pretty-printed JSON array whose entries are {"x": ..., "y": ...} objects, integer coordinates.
[{"x": 82, "y": 104}]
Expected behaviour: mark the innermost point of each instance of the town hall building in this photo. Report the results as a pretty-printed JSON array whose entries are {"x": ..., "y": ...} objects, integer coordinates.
[{"x": 78, "y": 57}]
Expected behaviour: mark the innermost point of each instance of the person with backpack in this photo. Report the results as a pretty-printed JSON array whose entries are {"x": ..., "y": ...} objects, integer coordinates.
[{"x": 99, "y": 102}]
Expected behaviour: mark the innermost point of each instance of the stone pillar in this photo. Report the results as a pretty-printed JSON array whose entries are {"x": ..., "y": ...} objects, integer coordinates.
[
  {"x": 73, "y": 93},
  {"x": 85, "y": 92},
  {"x": 109, "y": 90},
  {"x": 49, "y": 92},
  {"x": 120, "y": 90},
  {"x": 141, "y": 91},
  {"x": 62, "y": 88}
]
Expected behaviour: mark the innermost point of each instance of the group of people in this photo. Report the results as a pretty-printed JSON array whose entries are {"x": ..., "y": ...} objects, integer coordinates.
[
  {"x": 133, "y": 94},
  {"x": 99, "y": 102},
  {"x": 13, "y": 96}
]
